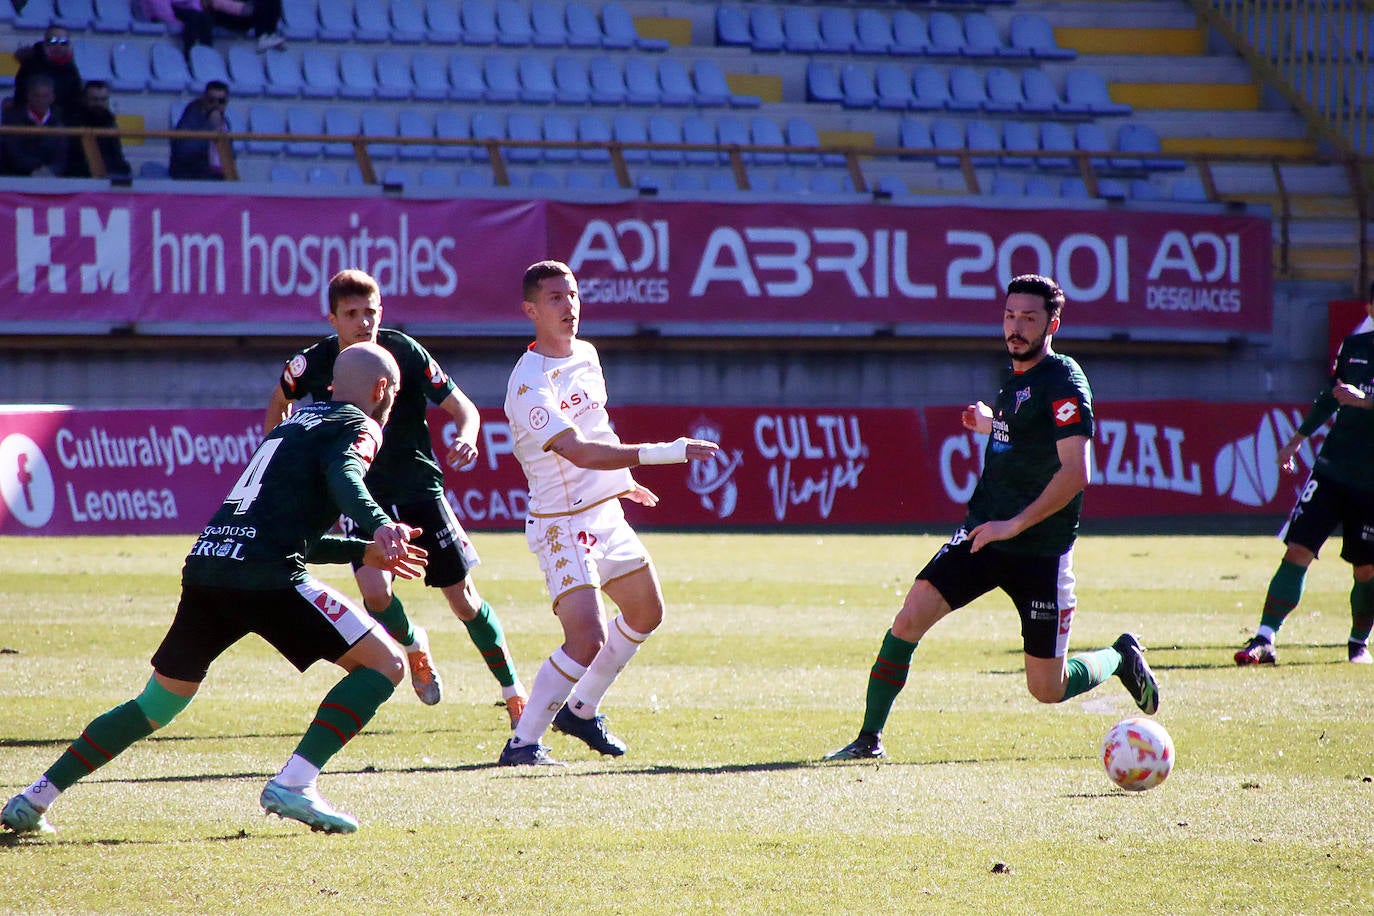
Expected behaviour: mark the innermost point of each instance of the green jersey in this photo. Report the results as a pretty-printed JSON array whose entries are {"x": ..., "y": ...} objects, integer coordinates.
[
  {"x": 1347, "y": 455},
  {"x": 306, "y": 472},
  {"x": 1033, "y": 411},
  {"x": 405, "y": 469}
]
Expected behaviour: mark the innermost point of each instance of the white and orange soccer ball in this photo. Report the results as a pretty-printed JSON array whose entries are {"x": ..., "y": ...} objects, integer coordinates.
[{"x": 1137, "y": 754}]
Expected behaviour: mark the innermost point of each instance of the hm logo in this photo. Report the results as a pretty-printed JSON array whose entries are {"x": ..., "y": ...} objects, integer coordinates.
[{"x": 33, "y": 249}]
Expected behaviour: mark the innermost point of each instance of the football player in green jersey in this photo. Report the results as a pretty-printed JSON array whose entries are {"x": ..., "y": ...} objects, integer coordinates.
[
  {"x": 407, "y": 481},
  {"x": 246, "y": 574},
  {"x": 1020, "y": 528},
  {"x": 1339, "y": 491}
]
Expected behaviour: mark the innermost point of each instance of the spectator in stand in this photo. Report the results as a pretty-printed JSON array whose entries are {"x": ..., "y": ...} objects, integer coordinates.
[
  {"x": 195, "y": 159},
  {"x": 197, "y": 19},
  {"x": 53, "y": 58},
  {"x": 95, "y": 112},
  {"x": 34, "y": 154}
]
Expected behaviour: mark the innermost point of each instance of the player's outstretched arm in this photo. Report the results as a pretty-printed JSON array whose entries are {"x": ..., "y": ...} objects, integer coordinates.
[
  {"x": 468, "y": 421},
  {"x": 612, "y": 456},
  {"x": 278, "y": 409}
]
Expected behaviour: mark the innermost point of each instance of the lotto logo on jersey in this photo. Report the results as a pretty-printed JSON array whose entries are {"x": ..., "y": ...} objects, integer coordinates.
[
  {"x": 435, "y": 374},
  {"x": 1066, "y": 412},
  {"x": 365, "y": 447}
]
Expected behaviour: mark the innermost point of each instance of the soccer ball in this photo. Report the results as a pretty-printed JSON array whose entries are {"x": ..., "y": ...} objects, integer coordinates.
[{"x": 1137, "y": 753}]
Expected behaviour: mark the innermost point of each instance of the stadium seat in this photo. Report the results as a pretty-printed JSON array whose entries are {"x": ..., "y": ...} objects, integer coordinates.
[
  {"x": 542, "y": 180},
  {"x": 1111, "y": 189},
  {"x": 320, "y": 70},
  {"x": 284, "y": 173},
  {"x": 153, "y": 171},
  {"x": 112, "y": 16},
  {"x": 371, "y": 22},
  {"x": 74, "y": 15},
  {"x": 593, "y": 129},
  {"x": 721, "y": 181},
  {"x": 486, "y": 125},
  {"x": 619, "y": 31},
  {"x": 408, "y": 25},
  {"x": 1188, "y": 189},
  {"x": 579, "y": 180},
  {"x": 674, "y": 83},
  {"x": 1073, "y": 188},
  {"x": 732, "y": 28},
  {"x": 300, "y": 20},
  {"x": 246, "y": 72},
  {"x": 765, "y": 27},
  {"x": 584, "y": 29},
  {"x": 914, "y": 134},
  {"x": 336, "y": 20},
  {"x": 452, "y": 125},
  {"x": 828, "y": 183},
  {"x": 357, "y": 80},
  {"x": 641, "y": 81},
  {"x": 1144, "y": 189},
  {"x": 731, "y": 131},
  {"x": 1040, "y": 186},
  {"x": 893, "y": 87},
  {"x": 856, "y": 84},
  {"x": 1038, "y": 93},
  {"x": 206, "y": 65},
  {"x": 265, "y": 119},
  {"x": 393, "y": 76},
  {"x": 547, "y": 27},
  {"x": 35, "y": 15},
  {"x": 1089, "y": 137},
  {"x": 1020, "y": 137},
  {"x": 513, "y": 29},
  {"x": 1056, "y": 138},
  {"x": 764, "y": 131},
  {"x": 284, "y": 74},
  {"x": 822, "y": 83},
  {"x": 502, "y": 78},
  {"x": 379, "y": 122},
  {"x": 629, "y": 128},
  {"x": 788, "y": 183},
  {"x": 521, "y": 125},
  {"x": 437, "y": 176},
  {"x": 465, "y": 79},
  {"x": 607, "y": 81},
  {"x": 341, "y": 122},
  {"x": 872, "y": 32},
  {"x": 801, "y": 34},
  {"x": 129, "y": 63},
  {"x": 946, "y": 35},
  {"x": 983, "y": 40},
  {"x": 711, "y": 86},
  {"x": 1141, "y": 138},
  {"x": 686, "y": 181},
  {"x": 561, "y": 128},
  {"x": 1006, "y": 186},
  {"x": 947, "y": 134},
  {"x": 571, "y": 81},
  {"x": 1004, "y": 94},
  {"x": 476, "y": 178},
  {"x": 800, "y": 132},
  {"x": 930, "y": 89},
  {"x": 443, "y": 22},
  {"x": 696, "y": 129},
  {"x": 322, "y": 175},
  {"x": 414, "y": 125},
  {"x": 967, "y": 89},
  {"x": 1085, "y": 92},
  {"x": 665, "y": 128},
  {"x": 536, "y": 79},
  {"x": 983, "y": 136},
  {"x": 839, "y": 33},
  {"x": 92, "y": 59},
  {"x": 1032, "y": 34},
  {"x": 479, "y": 22},
  {"x": 910, "y": 38},
  {"x": 428, "y": 74},
  {"x": 301, "y": 121}
]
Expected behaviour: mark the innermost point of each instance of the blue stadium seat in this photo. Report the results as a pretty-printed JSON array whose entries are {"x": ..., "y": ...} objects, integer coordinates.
[
  {"x": 541, "y": 180},
  {"x": 408, "y": 25},
  {"x": 521, "y": 125},
  {"x": 206, "y": 65},
  {"x": 732, "y": 28},
  {"x": 696, "y": 129},
  {"x": 475, "y": 178},
  {"x": 1073, "y": 188},
  {"x": 788, "y": 183},
  {"x": 322, "y": 175},
  {"x": 1040, "y": 186},
  {"x": 284, "y": 173},
  {"x": 129, "y": 62},
  {"x": 1145, "y": 189},
  {"x": 765, "y": 25},
  {"x": 1056, "y": 138},
  {"x": 731, "y": 131},
  {"x": 829, "y": 183},
  {"x": 629, "y": 128},
  {"x": 946, "y": 35},
  {"x": 513, "y": 29},
  {"x": 486, "y": 125},
  {"x": 721, "y": 181},
  {"x": 1004, "y": 94},
  {"x": 35, "y": 15},
  {"x": 414, "y": 125},
  {"x": 1032, "y": 34},
  {"x": 641, "y": 81},
  {"x": 336, "y": 20},
  {"x": 1039, "y": 94},
  {"x": 92, "y": 59},
  {"x": 1141, "y": 138},
  {"x": 74, "y": 15},
  {"x": 536, "y": 79},
  {"x": 380, "y": 122},
  {"x": 284, "y": 74},
  {"x": 872, "y": 32},
  {"x": 983, "y": 40},
  {"x": 265, "y": 119},
  {"x": 839, "y": 33},
  {"x": 500, "y": 73},
  {"x": 686, "y": 181},
  {"x": 437, "y": 176},
  {"x": 981, "y": 135},
  {"x": 452, "y": 125},
  {"x": 711, "y": 87},
  {"x": 246, "y": 74},
  {"x": 894, "y": 187},
  {"x": 429, "y": 76},
  {"x": 300, "y": 121},
  {"x": 1085, "y": 92},
  {"x": 893, "y": 87},
  {"x": 619, "y": 31},
  {"x": 443, "y": 21},
  {"x": 584, "y": 29},
  {"x": 1188, "y": 189},
  {"x": 561, "y": 128},
  {"x": 802, "y": 133},
  {"x": 357, "y": 79},
  {"x": 1111, "y": 189},
  {"x": 674, "y": 83},
  {"x": 465, "y": 79},
  {"x": 801, "y": 33},
  {"x": 579, "y": 180},
  {"x": 1006, "y": 186},
  {"x": 1089, "y": 137},
  {"x": 822, "y": 83},
  {"x": 967, "y": 89},
  {"x": 300, "y": 20},
  {"x": 856, "y": 82},
  {"x": 371, "y": 22},
  {"x": 665, "y": 128},
  {"x": 111, "y": 16},
  {"x": 607, "y": 80},
  {"x": 393, "y": 76},
  {"x": 1020, "y": 137},
  {"x": 320, "y": 69},
  {"x": 947, "y": 134},
  {"x": 930, "y": 89},
  {"x": 479, "y": 22},
  {"x": 765, "y": 132},
  {"x": 914, "y": 134},
  {"x": 910, "y": 37},
  {"x": 548, "y": 29},
  {"x": 593, "y": 129},
  {"x": 341, "y": 122},
  {"x": 570, "y": 78}
]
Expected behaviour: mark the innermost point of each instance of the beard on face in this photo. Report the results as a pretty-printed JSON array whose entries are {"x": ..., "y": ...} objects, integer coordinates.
[{"x": 1034, "y": 348}]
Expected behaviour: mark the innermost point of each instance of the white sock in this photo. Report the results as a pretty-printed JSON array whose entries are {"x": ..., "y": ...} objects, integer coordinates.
[
  {"x": 297, "y": 772},
  {"x": 621, "y": 645},
  {"x": 1264, "y": 632},
  {"x": 42, "y": 793},
  {"x": 551, "y": 687}
]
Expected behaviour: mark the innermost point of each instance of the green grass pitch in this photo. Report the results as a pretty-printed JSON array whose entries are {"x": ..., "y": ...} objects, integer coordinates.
[{"x": 989, "y": 802}]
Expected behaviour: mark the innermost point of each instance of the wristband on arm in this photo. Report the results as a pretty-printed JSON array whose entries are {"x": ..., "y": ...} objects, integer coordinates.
[{"x": 674, "y": 452}]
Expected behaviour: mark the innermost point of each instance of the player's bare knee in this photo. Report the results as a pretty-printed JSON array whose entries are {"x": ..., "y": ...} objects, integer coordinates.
[{"x": 464, "y": 600}]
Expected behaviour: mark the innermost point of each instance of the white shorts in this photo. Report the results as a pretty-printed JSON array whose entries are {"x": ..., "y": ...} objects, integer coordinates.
[{"x": 585, "y": 550}]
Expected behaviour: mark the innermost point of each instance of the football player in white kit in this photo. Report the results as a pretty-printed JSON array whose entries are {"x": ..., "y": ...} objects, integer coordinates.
[{"x": 578, "y": 471}]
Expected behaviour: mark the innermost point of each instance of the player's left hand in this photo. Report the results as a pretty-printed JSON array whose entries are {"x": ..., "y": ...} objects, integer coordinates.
[
  {"x": 986, "y": 533},
  {"x": 391, "y": 550},
  {"x": 642, "y": 495},
  {"x": 461, "y": 454}
]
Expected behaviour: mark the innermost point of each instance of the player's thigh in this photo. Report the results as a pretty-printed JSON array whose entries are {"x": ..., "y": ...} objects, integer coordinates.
[
  {"x": 205, "y": 625},
  {"x": 451, "y": 554},
  {"x": 1316, "y": 513},
  {"x": 639, "y": 595},
  {"x": 952, "y": 578},
  {"x": 1042, "y": 588},
  {"x": 1357, "y": 537}
]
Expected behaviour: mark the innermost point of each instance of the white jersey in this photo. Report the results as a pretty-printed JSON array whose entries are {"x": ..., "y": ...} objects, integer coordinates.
[{"x": 547, "y": 396}]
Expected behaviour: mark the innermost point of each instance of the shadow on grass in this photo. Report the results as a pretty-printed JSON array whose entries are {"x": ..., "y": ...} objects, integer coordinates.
[{"x": 11, "y": 840}]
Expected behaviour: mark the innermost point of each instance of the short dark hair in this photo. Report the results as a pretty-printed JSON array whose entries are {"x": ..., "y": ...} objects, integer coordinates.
[
  {"x": 95, "y": 84},
  {"x": 1044, "y": 287},
  {"x": 540, "y": 271},
  {"x": 216, "y": 84},
  {"x": 346, "y": 284}
]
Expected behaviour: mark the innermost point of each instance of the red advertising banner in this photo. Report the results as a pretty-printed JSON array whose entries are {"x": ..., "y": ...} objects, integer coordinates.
[
  {"x": 66, "y": 472},
  {"x": 1343, "y": 318},
  {"x": 262, "y": 262},
  {"x": 945, "y": 267}
]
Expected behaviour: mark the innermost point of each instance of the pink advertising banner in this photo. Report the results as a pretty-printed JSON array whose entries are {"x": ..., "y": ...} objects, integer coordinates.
[
  {"x": 68, "y": 472},
  {"x": 263, "y": 261}
]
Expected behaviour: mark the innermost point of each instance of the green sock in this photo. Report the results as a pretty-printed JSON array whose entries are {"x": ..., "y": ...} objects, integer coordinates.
[
  {"x": 395, "y": 622},
  {"x": 1361, "y": 610},
  {"x": 1090, "y": 669},
  {"x": 886, "y": 680},
  {"x": 345, "y": 710},
  {"x": 1285, "y": 591},
  {"x": 487, "y": 635},
  {"x": 104, "y": 739}
]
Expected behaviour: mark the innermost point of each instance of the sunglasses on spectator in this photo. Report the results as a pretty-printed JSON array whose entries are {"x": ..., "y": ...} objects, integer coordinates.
[{"x": 59, "y": 41}]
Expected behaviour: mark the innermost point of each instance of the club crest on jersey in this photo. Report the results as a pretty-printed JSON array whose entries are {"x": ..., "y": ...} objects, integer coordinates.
[
  {"x": 1022, "y": 397},
  {"x": 539, "y": 418},
  {"x": 1066, "y": 412},
  {"x": 296, "y": 368}
]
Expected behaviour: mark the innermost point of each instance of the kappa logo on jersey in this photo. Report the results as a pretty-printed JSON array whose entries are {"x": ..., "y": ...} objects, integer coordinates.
[
  {"x": 43, "y": 250},
  {"x": 1066, "y": 412},
  {"x": 522, "y": 389},
  {"x": 1022, "y": 397},
  {"x": 539, "y": 418},
  {"x": 26, "y": 483}
]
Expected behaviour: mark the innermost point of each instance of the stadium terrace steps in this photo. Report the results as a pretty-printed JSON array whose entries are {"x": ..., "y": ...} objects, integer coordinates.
[
  {"x": 1145, "y": 41},
  {"x": 676, "y": 30},
  {"x": 1189, "y": 96}
]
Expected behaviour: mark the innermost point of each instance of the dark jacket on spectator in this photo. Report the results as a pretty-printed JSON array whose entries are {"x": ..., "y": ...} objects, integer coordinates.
[
  {"x": 24, "y": 155},
  {"x": 111, "y": 149},
  {"x": 65, "y": 77},
  {"x": 191, "y": 158}
]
